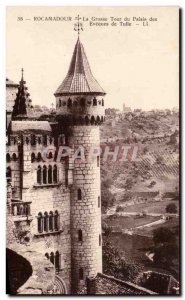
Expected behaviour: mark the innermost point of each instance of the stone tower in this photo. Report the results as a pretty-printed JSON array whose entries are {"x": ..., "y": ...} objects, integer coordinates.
[{"x": 80, "y": 111}]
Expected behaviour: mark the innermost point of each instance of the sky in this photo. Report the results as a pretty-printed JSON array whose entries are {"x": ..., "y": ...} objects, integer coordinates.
[{"x": 136, "y": 65}]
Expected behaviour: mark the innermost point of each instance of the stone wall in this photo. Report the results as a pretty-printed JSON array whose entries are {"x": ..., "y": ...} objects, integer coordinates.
[
  {"x": 107, "y": 285},
  {"x": 85, "y": 210}
]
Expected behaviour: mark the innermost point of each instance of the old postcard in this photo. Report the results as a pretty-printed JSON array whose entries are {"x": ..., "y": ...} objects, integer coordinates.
[{"x": 92, "y": 150}]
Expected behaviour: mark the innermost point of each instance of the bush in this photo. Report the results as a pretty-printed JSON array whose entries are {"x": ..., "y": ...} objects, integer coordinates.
[{"x": 171, "y": 208}]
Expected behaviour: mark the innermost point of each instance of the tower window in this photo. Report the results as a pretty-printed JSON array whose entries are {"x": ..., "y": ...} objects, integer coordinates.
[
  {"x": 60, "y": 103},
  {"x": 102, "y": 102},
  {"x": 81, "y": 274},
  {"x": 98, "y": 161},
  {"x": 33, "y": 140},
  {"x": 57, "y": 261},
  {"x": 98, "y": 201},
  {"x": 94, "y": 101},
  {"x": 79, "y": 194},
  {"x": 52, "y": 259},
  {"x": 69, "y": 102},
  {"x": 8, "y": 157},
  {"x": 32, "y": 157},
  {"x": 8, "y": 172},
  {"x": 39, "y": 157},
  {"x": 40, "y": 227},
  {"x": 45, "y": 140},
  {"x": 80, "y": 238},
  {"x": 14, "y": 157},
  {"x": 82, "y": 101},
  {"x": 99, "y": 239},
  {"x": 39, "y": 176}
]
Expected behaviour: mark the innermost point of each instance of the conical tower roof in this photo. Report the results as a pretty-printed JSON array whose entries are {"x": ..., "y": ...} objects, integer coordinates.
[
  {"x": 19, "y": 109},
  {"x": 79, "y": 78}
]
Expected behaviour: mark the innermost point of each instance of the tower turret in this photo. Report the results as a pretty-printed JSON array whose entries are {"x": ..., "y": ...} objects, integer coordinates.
[
  {"x": 80, "y": 107},
  {"x": 80, "y": 98}
]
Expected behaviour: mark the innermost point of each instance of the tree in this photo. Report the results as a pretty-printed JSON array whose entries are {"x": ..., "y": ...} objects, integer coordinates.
[
  {"x": 171, "y": 208},
  {"x": 163, "y": 235},
  {"x": 115, "y": 264}
]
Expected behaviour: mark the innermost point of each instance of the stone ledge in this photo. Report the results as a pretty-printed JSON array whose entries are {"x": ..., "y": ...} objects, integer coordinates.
[{"x": 48, "y": 233}]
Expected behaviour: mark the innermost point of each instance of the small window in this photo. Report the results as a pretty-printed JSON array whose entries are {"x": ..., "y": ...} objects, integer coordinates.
[
  {"x": 69, "y": 102},
  {"x": 98, "y": 161},
  {"x": 39, "y": 157},
  {"x": 102, "y": 102},
  {"x": 14, "y": 157},
  {"x": 82, "y": 102},
  {"x": 50, "y": 221},
  {"x": 57, "y": 261},
  {"x": 80, "y": 235},
  {"x": 60, "y": 103},
  {"x": 56, "y": 221},
  {"x": 50, "y": 174},
  {"x": 52, "y": 258},
  {"x": 33, "y": 140},
  {"x": 81, "y": 274},
  {"x": 44, "y": 175},
  {"x": 47, "y": 255},
  {"x": 99, "y": 239},
  {"x": 39, "y": 175},
  {"x": 45, "y": 140},
  {"x": 94, "y": 101},
  {"x": 8, "y": 157},
  {"x": 55, "y": 174},
  {"x": 79, "y": 194},
  {"x": 46, "y": 221},
  {"x": 8, "y": 172},
  {"x": 98, "y": 201},
  {"x": 40, "y": 224},
  {"x": 32, "y": 157}
]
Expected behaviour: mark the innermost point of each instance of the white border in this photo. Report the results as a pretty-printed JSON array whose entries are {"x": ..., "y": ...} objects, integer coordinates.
[{"x": 3, "y": 4}]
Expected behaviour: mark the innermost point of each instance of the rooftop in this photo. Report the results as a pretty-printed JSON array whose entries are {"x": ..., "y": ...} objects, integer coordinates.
[{"x": 79, "y": 78}]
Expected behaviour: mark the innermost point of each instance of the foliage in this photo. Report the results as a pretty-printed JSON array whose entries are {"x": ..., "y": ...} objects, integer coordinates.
[
  {"x": 115, "y": 264},
  {"x": 171, "y": 208}
]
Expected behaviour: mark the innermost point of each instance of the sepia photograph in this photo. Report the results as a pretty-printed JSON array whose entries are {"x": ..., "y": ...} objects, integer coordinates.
[{"x": 92, "y": 150}]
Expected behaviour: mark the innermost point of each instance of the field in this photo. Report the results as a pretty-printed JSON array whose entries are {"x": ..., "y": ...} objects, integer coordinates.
[{"x": 151, "y": 207}]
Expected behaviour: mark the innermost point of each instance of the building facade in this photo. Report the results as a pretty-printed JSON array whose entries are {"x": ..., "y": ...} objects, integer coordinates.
[{"x": 55, "y": 203}]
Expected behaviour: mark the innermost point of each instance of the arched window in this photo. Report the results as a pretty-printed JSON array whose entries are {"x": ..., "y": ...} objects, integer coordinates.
[
  {"x": 92, "y": 120},
  {"x": 32, "y": 157},
  {"x": 99, "y": 239},
  {"x": 8, "y": 172},
  {"x": 82, "y": 102},
  {"x": 39, "y": 175},
  {"x": 94, "y": 101},
  {"x": 50, "y": 140},
  {"x": 50, "y": 155},
  {"x": 55, "y": 174},
  {"x": 52, "y": 259},
  {"x": 44, "y": 175},
  {"x": 8, "y": 157},
  {"x": 102, "y": 102},
  {"x": 60, "y": 103},
  {"x": 40, "y": 223},
  {"x": 45, "y": 140},
  {"x": 102, "y": 119},
  {"x": 56, "y": 221},
  {"x": 14, "y": 157},
  {"x": 98, "y": 161},
  {"x": 51, "y": 221},
  {"x": 81, "y": 274},
  {"x": 27, "y": 140},
  {"x": 79, "y": 194},
  {"x": 33, "y": 140},
  {"x": 57, "y": 261},
  {"x": 50, "y": 174},
  {"x": 80, "y": 238},
  {"x": 39, "y": 140},
  {"x": 39, "y": 157},
  {"x": 98, "y": 201},
  {"x": 47, "y": 255},
  {"x": 69, "y": 102},
  {"x": 46, "y": 221}
]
